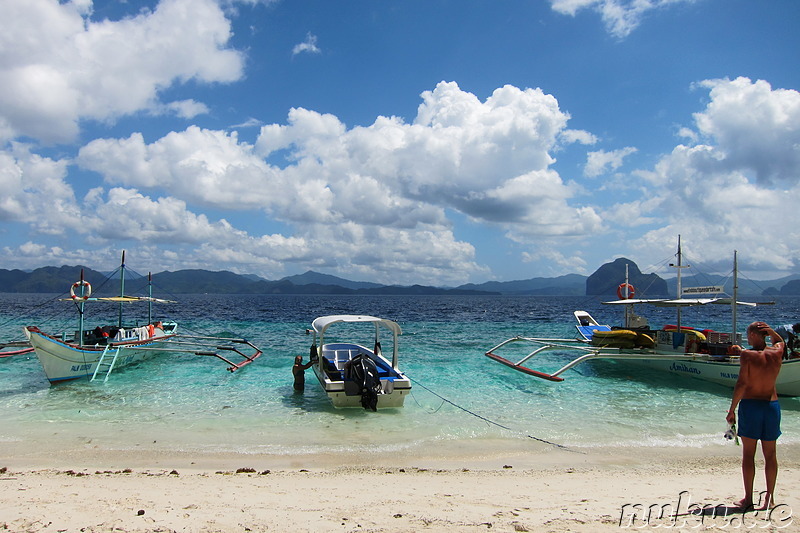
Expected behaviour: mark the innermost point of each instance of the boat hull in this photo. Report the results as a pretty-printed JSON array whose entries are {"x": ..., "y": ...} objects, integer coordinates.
[
  {"x": 339, "y": 397},
  {"x": 395, "y": 385},
  {"x": 63, "y": 361},
  {"x": 722, "y": 372}
]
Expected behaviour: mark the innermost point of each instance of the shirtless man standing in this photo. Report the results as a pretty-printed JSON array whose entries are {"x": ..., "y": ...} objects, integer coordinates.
[{"x": 759, "y": 410}]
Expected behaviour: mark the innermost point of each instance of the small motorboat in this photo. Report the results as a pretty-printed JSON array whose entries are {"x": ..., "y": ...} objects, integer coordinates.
[{"x": 353, "y": 375}]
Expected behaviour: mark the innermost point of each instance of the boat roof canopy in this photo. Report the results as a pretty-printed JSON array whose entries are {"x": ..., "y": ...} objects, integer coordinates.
[
  {"x": 685, "y": 302},
  {"x": 322, "y": 323},
  {"x": 631, "y": 301},
  {"x": 119, "y": 299}
]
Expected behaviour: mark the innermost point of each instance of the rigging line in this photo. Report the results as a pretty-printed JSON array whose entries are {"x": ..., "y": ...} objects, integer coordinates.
[
  {"x": 195, "y": 331},
  {"x": 30, "y": 312},
  {"x": 141, "y": 282},
  {"x": 206, "y": 333},
  {"x": 705, "y": 271},
  {"x": 107, "y": 279},
  {"x": 491, "y": 421}
]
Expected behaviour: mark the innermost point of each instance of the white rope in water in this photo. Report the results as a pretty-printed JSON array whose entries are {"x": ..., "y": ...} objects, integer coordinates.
[{"x": 489, "y": 421}]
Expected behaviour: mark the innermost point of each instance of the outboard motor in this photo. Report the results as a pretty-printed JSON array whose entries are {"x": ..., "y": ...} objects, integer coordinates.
[
  {"x": 362, "y": 370},
  {"x": 312, "y": 354}
]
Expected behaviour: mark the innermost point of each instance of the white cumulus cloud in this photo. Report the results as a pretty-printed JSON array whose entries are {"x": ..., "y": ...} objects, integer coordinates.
[
  {"x": 384, "y": 186},
  {"x": 755, "y": 127},
  {"x": 740, "y": 184},
  {"x": 59, "y": 67}
]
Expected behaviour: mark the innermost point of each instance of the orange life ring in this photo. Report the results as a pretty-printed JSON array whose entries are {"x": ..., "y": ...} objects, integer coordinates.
[
  {"x": 621, "y": 291},
  {"x": 86, "y": 293}
]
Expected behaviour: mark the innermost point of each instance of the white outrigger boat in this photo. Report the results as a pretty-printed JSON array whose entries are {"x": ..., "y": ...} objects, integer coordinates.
[
  {"x": 95, "y": 353},
  {"x": 684, "y": 351},
  {"x": 353, "y": 375}
]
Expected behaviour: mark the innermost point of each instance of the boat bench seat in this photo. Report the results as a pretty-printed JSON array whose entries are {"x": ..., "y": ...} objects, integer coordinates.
[
  {"x": 330, "y": 369},
  {"x": 334, "y": 361},
  {"x": 340, "y": 357}
]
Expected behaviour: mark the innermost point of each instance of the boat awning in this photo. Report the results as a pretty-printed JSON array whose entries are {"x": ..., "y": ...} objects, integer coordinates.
[
  {"x": 631, "y": 301},
  {"x": 322, "y": 323},
  {"x": 119, "y": 299},
  {"x": 682, "y": 302},
  {"x": 685, "y": 302}
]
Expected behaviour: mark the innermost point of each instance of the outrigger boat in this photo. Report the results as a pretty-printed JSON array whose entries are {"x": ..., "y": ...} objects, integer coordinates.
[
  {"x": 353, "y": 375},
  {"x": 95, "y": 353},
  {"x": 684, "y": 351}
]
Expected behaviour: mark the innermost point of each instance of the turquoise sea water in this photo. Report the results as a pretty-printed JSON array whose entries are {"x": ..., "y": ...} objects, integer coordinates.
[{"x": 190, "y": 403}]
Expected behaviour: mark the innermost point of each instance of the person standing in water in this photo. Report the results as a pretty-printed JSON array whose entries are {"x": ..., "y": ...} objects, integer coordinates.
[
  {"x": 299, "y": 373},
  {"x": 759, "y": 410}
]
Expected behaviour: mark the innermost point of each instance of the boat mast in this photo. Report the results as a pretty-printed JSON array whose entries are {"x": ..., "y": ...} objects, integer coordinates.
[
  {"x": 121, "y": 286},
  {"x": 80, "y": 311},
  {"x": 679, "y": 266},
  {"x": 627, "y": 294},
  {"x": 680, "y": 288},
  {"x": 735, "y": 294},
  {"x": 149, "y": 297}
]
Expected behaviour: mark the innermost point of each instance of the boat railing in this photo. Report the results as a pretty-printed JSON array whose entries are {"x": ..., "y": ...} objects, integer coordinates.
[
  {"x": 334, "y": 359},
  {"x": 340, "y": 357},
  {"x": 339, "y": 354},
  {"x": 207, "y": 346}
]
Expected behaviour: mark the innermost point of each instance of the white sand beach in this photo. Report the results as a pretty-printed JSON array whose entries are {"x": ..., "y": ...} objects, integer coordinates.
[{"x": 513, "y": 488}]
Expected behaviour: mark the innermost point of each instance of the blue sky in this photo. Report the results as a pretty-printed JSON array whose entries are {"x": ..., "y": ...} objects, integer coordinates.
[{"x": 435, "y": 142}]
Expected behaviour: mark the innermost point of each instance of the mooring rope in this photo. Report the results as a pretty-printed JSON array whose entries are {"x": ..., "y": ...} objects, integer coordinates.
[
  {"x": 422, "y": 406},
  {"x": 488, "y": 421}
]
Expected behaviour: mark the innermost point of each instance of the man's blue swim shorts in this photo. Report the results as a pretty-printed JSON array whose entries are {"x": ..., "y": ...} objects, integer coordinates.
[{"x": 759, "y": 419}]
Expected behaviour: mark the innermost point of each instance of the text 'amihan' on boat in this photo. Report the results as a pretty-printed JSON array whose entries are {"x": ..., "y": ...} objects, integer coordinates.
[
  {"x": 95, "y": 352},
  {"x": 684, "y": 351}
]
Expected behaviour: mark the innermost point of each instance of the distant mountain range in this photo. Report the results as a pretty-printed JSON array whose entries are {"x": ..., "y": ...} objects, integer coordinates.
[{"x": 603, "y": 282}]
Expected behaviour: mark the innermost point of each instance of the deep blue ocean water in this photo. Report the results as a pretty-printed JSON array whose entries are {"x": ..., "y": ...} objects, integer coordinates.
[{"x": 185, "y": 402}]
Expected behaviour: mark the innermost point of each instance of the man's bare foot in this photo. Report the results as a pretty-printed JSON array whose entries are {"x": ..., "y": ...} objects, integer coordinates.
[
  {"x": 744, "y": 505},
  {"x": 767, "y": 502}
]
